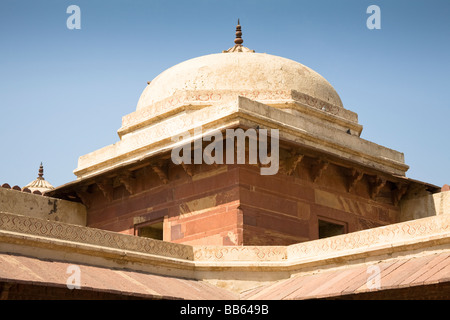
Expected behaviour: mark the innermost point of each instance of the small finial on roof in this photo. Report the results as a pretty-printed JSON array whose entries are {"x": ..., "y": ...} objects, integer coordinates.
[
  {"x": 41, "y": 172},
  {"x": 40, "y": 184},
  {"x": 238, "y": 39},
  {"x": 238, "y": 47}
]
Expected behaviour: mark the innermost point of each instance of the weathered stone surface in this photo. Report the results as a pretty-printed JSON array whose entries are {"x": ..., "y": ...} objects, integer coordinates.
[
  {"x": 38, "y": 206},
  {"x": 239, "y": 72},
  {"x": 424, "y": 206}
]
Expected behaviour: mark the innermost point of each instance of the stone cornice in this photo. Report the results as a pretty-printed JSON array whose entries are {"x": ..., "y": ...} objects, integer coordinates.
[
  {"x": 406, "y": 236},
  {"x": 194, "y": 100},
  {"x": 328, "y": 139},
  {"x": 311, "y": 131}
]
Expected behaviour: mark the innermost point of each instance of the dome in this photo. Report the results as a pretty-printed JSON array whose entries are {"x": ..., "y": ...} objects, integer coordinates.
[
  {"x": 238, "y": 72},
  {"x": 40, "y": 184}
]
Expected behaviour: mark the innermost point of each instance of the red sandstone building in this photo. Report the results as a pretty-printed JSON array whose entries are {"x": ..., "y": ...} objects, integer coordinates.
[{"x": 337, "y": 206}]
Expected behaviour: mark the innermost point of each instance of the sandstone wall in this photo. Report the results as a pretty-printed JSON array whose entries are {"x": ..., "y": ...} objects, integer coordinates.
[
  {"x": 236, "y": 205},
  {"x": 39, "y": 206},
  {"x": 202, "y": 209}
]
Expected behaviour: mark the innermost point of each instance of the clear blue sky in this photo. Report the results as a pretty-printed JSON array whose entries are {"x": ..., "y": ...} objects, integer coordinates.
[{"x": 63, "y": 92}]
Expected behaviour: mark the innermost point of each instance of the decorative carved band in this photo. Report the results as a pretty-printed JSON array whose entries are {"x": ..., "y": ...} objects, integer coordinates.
[
  {"x": 74, "y": 233},
  {"x": 373, "y": 238},
  {"x": 240, "y": 253},
  {"x": 436, "y": 229}
]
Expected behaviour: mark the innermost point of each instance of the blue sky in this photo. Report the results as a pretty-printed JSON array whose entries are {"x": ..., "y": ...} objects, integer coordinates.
[{"x": 63, "y": 92}]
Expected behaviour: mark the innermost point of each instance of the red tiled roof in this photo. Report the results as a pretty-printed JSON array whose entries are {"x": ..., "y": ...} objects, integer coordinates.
[
  {"x": 394, "y": 274},
  {"x": 21, "y": 269}
]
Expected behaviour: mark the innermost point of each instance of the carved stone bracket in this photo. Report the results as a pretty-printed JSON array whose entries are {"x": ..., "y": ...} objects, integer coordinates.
[
  {"x": 353, "y": 178},
  {"x": 188, "y": 168},
  {"x": 129, "y": 181},
  {"x": 290, "y": 163},
  {"x": 376, "y": 184},
  {"x": 86, "y": 197},
  {"x": 107, "y": 189},
  {"x": 399, "y": 192},
  {"x": 318, "y": 168},
  {"x": 162, "y": 171}
]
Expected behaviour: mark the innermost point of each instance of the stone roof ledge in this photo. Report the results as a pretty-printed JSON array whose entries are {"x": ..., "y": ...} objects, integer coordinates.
[{"x": 226, "y": 266}]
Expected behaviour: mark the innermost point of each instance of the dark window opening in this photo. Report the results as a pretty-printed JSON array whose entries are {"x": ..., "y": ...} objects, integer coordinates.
[
  {"x": 331, "y": 229},
  {"x": 154, "y": 231}
]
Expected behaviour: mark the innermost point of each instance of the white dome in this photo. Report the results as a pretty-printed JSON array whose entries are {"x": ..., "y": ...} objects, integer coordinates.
[{"x": 238, "y": 72}]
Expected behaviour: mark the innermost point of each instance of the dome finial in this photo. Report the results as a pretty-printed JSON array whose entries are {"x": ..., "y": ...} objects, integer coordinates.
[
  {"x": 238, "y": 39},
  {"x": 41, "y": 172},
  {"x": 238, "y": 47},
  {"x": 40, "y": 184}
]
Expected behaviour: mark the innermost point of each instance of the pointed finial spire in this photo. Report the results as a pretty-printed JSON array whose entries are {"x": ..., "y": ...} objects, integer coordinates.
[
  {"x": 41, "y": 172},
  {"x": 238, "y": 39},
  {"x": 238, "y": 47}
]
